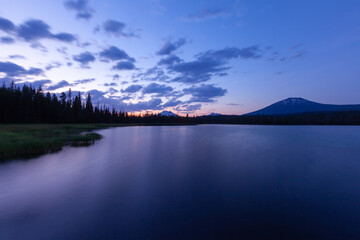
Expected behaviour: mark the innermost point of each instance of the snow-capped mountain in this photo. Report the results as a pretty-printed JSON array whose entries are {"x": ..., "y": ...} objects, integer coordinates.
[
  {"x": 167, "y": 114},
  {"x": 214, "y": 114},
  {"x": 300, "y": 105}
]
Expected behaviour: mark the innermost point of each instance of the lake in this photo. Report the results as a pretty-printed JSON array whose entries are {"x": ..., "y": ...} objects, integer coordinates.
[{"x": 190, "y": 182}]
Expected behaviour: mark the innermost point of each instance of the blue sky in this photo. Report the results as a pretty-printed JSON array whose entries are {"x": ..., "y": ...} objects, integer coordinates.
[{"x": 193, "y": 57}]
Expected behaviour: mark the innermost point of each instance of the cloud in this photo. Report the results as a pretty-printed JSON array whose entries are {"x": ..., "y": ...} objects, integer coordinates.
[
  {"x": 62, "y": 50},
  {"x": 232, "y": 52},
  {"x": 6, "y": 25},
  {"x": 157, "y": 7},
  {"x": 83, "y": 81},
  {"x": 14, "y": 70},
  {"x": 60, "y": 84},
  {"x": 53, "y": 65},
  {"x": 81, "y": 7},
  {"x": 116, "y": 29},
  {"x": 171, "y": 103},
  {"x": 168, "y": 47},
  {"x": 84, "y": 58},
  {"x": 11, "y": 69},
  {"x": 65, "y": 83},
  {"x": 16, "y": 56},
  {"x": 205, "y": 66},
  {"x": 132, "y": 89},
  {"x": 116, "y": 77},
  {"x": 153, "y": 74},
  {"x": 33, "y": 30},
  {"x": 96, "y": 93},
  {"x": 297, "y": 55},
  {"x": 157, "y": 88},
  {"x": 112, "y": 90},
  {"x": 34, "y": 71},
  {"x": 112, "y": 84},
  {"x": 64, "y": 37},
  {"x": 83, "y": 44},
  {"x": 205, "y": 14},
  {"x": 210, "y": 63},
  {"x": 196, "y": 71},
  {"x": 36, "y": 84},
  {"x": 204, "y": 93},
  {"x": 188, "y": 107},
  {"x": 124, "y": 65},
  {"x": 7, "y": 40},
  {"x": 39, "y": 46},
  {"x": 99, "y": 97},
  {"x": 169, "y": 60},
  {"x": 113, "y": 53},
  {"x": 153, "y": 104},
  {"x": 107, "y": 98}
]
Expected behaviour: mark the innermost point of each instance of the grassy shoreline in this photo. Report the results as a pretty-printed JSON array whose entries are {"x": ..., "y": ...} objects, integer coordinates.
[{"x": 23, "y": 141}]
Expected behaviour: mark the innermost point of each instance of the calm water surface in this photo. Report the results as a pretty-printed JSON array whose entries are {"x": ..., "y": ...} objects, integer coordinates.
[{"x": 190, "y": 182}]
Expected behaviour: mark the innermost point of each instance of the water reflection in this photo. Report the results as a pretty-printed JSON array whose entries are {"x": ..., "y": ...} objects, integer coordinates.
[{"x": 190, "y": 182}]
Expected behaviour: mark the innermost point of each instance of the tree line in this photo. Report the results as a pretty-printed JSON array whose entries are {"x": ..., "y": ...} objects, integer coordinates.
[
  {"x": 308, "y": 118},
  {"x": 30, "y": 105},
  {"x": 27, "y": 104}
]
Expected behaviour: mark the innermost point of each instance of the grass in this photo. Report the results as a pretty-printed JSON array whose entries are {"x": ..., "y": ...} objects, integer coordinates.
[{"x": 30, "y": 140}]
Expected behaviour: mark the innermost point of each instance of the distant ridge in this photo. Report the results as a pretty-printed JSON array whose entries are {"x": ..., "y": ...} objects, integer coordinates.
[
  {"x": 167, "y": 114},
  {"x": 296, "y": 105}
]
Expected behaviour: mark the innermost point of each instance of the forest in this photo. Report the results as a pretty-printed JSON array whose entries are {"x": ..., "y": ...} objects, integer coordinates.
[{"x": 30, "y": 105}]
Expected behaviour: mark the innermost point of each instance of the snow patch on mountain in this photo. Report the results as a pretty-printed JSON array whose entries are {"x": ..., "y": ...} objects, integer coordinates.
[
  {"x": 167, "y": 114},
  {"x": 214, "y": 114},
  {"x": 293, "y": 100}
]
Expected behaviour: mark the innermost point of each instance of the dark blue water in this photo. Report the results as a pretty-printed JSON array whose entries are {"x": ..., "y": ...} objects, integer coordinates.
[{"x": 190, "y": 182}]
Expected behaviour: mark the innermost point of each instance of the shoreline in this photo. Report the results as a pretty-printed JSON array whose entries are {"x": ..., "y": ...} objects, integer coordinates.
[{"x": 25, "y": 141}]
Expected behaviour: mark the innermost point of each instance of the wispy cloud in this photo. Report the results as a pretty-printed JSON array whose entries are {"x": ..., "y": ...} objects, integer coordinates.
[
  {"x": 117, "y": 29},
  {"x": 205, "y": 14},
  {"x": 81, "y": 7},
  {"x": 7, "y": 40},
  {"x": 84, "y": 58},
  {"x": 65, "y": 83},
  {"x": 58, "y": 85},
  {"x": 17, "y": 56},
  {"x": 53, "y": 65},
  {"x": 132, "y": 89},
  {"x": 168, "y": 46}
]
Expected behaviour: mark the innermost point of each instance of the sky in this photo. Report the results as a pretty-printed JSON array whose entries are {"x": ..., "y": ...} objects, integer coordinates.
[{"x": 189, "y": 56}]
